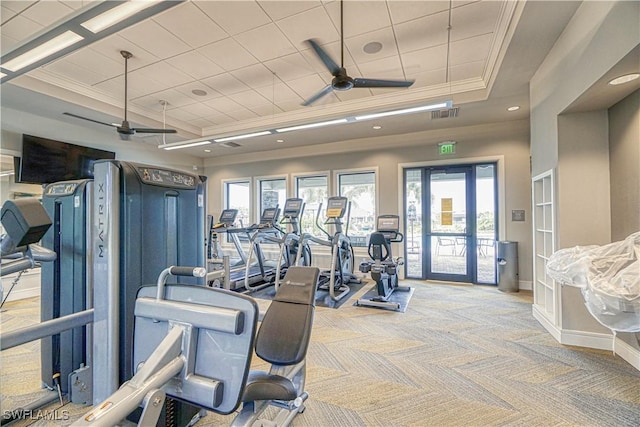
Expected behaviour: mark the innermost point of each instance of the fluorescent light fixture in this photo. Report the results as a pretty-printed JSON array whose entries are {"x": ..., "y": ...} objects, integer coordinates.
[
  {"x": 312, "y": 125},
  {"x": 115, "y": 15},
  {"x": 513, "y": 108},
  {"x": 2, "y": 75},
  {"x": 193, "y": 144},
  {"x": 437, "y": 106},
  {"x": 624, "y": 79},
  {"x": 245, "y": 136},
  {"x": 47, "y": 48},
  {"x": 7, "y": 173}
]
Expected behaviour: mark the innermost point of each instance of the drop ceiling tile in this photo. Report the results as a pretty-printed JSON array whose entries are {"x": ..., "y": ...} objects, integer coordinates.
[
  {"x": 181, "y": 114},
  {"x": 164, "y": 73},
  {"x": 18, "y": 5},
  {"x": 201, "y": 122},
  {"x": 266, "y": 110},
  {"x": 100, "y": 66},
  {"x": 290, "y": 105},
  {"x": 20, "y": 28},
  {"x": 290, "y": 66},
  {"x": 195, "y": 64},
  {"x": 6, "y": 14},
  {"x": 402, "y": 11},
  {"x": 383, "y": 36},
  {"x": 115, "y": 88},
  {"x": 475, "y": 19},
  {"x": 228, "y": 54},
  {"x": 282, "y": 9},
  {"x": 384, "y": 68},
  {"x": 187, "y": 89},
  {"x": 112, "y": 45},
  {"x": 471, "y": 49},
  {"x": 244, "y": 114},
  {"x": 223, "y": 104},
  {"x": 155, "y": 39},
  {"x": 72, "y": 72},
  {"x": 226, "y": 84},
  {"x": 427, "y": 59},
  {"x": 172, "y": 96},
  {"x": 255, "y": 76},
  {"x": 468, "y": 70},
  {"x": 266, "y": 42},
  {"x": 234, "y": 17},
  {"x": 191, "y": 25},
  {"x": 360, "y": 16},
  {"x": 7, "y": 44},
  {"x": 74, "y": 4},
  {"x": 141, "y": 83},
  {"x": 280, "y": 93},
  {"x": 46, "y": 13},
  {"x": 199, "y": 109},
  {"x": 250, "y": 98},
  {"x": 311, "y": 24},
  {"x": 429, "y": 78},
  {"x": 422, "y": 32}
]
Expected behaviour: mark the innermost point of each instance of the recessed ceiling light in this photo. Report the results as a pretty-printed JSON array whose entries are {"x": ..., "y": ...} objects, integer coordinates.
[
  {"x": 376, "y": 127},
  {"x": 624, "y": 79},
  {"x": 207, "y": 150},
  {"x": 199, "y": 92},
  {"x": 513, "y": 108},
  {"x": 372, "y": 47},
  {"x": 279, "y": 140}
]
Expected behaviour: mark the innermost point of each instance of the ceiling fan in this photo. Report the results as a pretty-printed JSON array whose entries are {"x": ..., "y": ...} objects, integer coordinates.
[
  {"x": 124, "y": 129},
  {"x": 341, "y": 80}
]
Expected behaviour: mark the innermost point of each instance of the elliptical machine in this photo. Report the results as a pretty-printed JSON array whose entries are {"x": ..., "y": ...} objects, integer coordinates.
[
  {"x": 382, "y": 266},
  {"x": 336, "y": 279},
  {"x": 291, "y": 239}
]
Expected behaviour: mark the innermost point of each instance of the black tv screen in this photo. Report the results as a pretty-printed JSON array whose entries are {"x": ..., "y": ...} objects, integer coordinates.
[{"x": 45, "y": 161}]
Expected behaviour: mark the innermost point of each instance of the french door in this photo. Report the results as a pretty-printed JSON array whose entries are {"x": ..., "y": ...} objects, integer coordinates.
[{"x": 450, "y": 223}]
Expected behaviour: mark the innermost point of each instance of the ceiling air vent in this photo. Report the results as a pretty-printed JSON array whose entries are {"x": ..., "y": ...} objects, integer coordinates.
[
  {"x": 229, "y": 144},
  {"x": 446, "y": 113}
]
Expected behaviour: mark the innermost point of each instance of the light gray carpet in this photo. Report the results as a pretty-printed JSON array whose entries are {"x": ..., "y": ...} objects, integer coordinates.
[{"x": 459, "y": 356}]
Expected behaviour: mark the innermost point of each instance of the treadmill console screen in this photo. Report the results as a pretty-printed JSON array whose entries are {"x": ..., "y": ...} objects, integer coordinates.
[
  {"x": 269, "y": 215},
  {"x": 388, "y": 223},
  {"x": 292, "y": 207},
  {"x": 336, "y": 207},
  {"x": 228, "y": 216}
]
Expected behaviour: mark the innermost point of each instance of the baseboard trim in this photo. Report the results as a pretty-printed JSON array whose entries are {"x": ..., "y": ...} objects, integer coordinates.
[
  {"x": 627, "y": 352},
  {"x": 589, "y": 339},
  {"x": 525, "y": 285}
]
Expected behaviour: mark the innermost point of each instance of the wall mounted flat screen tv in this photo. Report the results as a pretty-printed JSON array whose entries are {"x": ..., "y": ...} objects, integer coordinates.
[{"x": 45, "y": 161}]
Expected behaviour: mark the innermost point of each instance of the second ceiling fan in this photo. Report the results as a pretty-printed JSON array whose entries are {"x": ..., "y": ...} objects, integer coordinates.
[
  {"x": 341, "y": 80},
  {"x": 124, "y": 129}
]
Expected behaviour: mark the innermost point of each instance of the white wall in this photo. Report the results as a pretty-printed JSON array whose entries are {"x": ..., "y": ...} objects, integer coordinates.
[{"x": 508, "y": 140}]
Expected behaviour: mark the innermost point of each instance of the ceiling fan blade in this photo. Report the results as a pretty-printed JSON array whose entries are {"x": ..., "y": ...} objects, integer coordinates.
[
  {"x": 150, "y": 130},
  {"x": 90, "y": 120},
  {"x": 318, "y": 95},
  {"x": 324, "y": 57},
  {"x": 363, "y": 82}
]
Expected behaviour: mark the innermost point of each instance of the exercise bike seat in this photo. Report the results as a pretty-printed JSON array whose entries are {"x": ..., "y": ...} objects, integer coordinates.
[{"x": 284, "y": 335}]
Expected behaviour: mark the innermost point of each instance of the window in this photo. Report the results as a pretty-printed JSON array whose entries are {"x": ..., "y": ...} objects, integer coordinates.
[
  {"x": 360, "y": 189},
  {"x": 314, "y": 191},
  {"x": 237, "y": 195},
  {"x": 273, "y": 192}
]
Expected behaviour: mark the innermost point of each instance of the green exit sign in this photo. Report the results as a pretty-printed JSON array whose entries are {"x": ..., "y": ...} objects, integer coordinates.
[{"x": 445, "y": 148}]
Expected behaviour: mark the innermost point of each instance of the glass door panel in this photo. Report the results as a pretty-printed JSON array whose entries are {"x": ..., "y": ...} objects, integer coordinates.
[
  {"x": 413, "y": 223},
  {"x": 486, "y": 220},
  {"x": 449, "y": 224}
]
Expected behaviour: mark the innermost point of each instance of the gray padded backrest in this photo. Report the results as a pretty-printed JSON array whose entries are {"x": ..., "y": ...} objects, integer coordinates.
[{"x": 285, "y": 331}]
